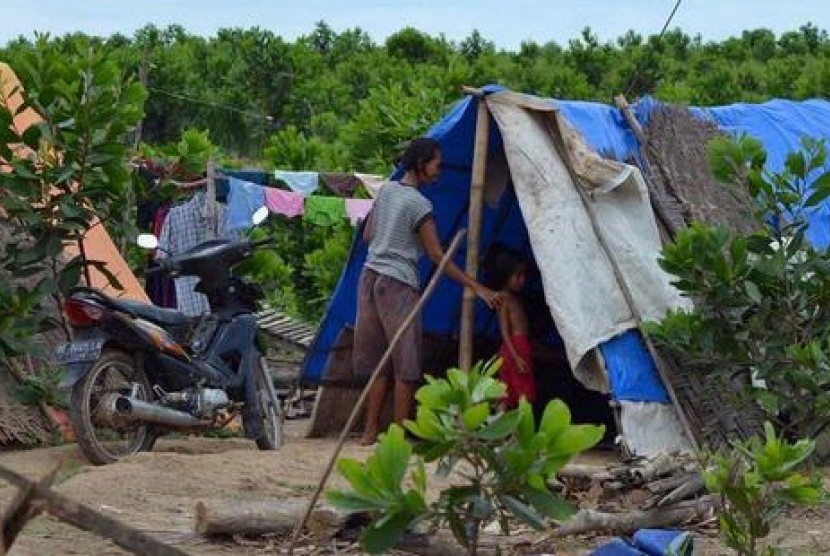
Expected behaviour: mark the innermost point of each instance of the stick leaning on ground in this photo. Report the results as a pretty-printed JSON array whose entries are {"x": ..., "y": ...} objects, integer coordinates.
[{"x": 384, "y": 360}]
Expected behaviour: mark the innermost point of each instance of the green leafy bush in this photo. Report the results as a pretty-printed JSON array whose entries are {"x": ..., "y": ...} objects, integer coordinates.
[
  {"x": 758, "y": 480},
  {"x": 504, "y": 460},
  {"x": 762, "y": 301},
  {"x": 73, "y": 167}
]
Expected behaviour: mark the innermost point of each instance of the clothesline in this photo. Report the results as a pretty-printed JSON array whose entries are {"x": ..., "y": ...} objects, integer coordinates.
[{"x": 245, "y": 197}]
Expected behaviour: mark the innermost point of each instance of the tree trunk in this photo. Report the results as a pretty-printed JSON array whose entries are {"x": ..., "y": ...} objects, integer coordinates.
[
  {"x": 590, "y": 521},
  {"x": 222, "y": 518}
]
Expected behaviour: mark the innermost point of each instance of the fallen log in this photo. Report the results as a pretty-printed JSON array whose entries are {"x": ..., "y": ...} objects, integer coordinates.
[
  {"x": 663, "y": 486},
  {"x": 88, "y": 519},
  {"x": 584, "y": 473},
  {"x": 683, "y": 492},
  {"x": 224, "y": 518},
  {"x": 591, "y": 521},
  {"x": 23, "y": 508},
  {"x": 661, "y": 465}
]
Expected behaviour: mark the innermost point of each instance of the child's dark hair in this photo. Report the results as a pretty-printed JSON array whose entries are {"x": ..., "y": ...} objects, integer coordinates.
[
  {"x": 500, "y": 263},
  {"x": 417, "y": 153}
]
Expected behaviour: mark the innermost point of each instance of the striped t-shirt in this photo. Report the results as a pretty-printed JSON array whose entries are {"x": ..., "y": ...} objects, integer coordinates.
[{"x": 398, "y": 212}]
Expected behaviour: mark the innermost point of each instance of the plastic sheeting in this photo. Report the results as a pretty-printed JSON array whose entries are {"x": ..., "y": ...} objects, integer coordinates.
[
  {"x": 777, "y": 124},
  {"x": 587, "y": 302},
  {"x": 780, "y": 126}
]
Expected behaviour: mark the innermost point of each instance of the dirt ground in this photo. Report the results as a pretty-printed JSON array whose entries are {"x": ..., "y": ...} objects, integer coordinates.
[{"x": 157, "y": 492}]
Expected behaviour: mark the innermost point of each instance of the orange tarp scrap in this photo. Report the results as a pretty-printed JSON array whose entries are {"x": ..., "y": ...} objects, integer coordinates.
[{"x": 98, "y": 245}]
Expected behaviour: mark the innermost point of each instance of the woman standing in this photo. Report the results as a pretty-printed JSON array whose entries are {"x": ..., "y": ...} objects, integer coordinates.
[{"x": 398, "y": 229}]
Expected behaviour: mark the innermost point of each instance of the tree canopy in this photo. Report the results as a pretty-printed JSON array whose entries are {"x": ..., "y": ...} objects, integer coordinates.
[{"x": 341, "y": 101}]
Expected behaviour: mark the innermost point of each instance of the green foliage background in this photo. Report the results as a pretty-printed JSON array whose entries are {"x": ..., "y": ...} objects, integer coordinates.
[
  {"x": 334, "y": 101},
  {"x": 342, "y": 101}
]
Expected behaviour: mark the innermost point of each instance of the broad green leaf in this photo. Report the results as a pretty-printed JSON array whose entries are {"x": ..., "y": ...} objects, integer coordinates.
[
  {"x": 352, "y": 502},
  {"x": 458, "y": 528},
  {"x": 576, "y": 439},
  {"x": 377, "y": 539},
  {"x": 526, "y": 425},
  {"x": 358, "y": 477},
  {"x": 753, "y": 292},
  {"x": 820, "y": 190},
  {"x": 387, "y": 465},
  {"x": 426, "y": 425},
  {"x": 501, "y": 427},
  {"x": 476, "y": 415},
  {"x": 555, "y": 419},
  {"x": 524, "y": 513},
  {"x": 551, "y": 505}
]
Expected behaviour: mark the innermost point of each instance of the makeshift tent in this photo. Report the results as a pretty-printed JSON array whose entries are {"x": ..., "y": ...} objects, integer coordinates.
[{"x": 536, "y": 161}]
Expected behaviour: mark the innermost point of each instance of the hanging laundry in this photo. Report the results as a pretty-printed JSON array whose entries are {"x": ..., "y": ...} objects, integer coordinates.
[
  {"x": 159, "y": 286},
  {"x": 357, "y": 209},
  {"x": 287, "y": 203},
  {"x": 244, "y": 198},
  {"x": 185, "y": 227},
  {"x": 340, "y": 183},
  {"x": 372, "y": 183},
  {"x": 325, "y": 211},
  {"x": 254, "y": 176},
  {"x": 301, "y": 182}
]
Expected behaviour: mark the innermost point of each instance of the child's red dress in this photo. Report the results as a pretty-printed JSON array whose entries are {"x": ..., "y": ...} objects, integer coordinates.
[{"x": 518, "y": 383}]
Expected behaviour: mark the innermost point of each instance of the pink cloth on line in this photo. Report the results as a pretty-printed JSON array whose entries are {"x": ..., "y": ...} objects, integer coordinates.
[
  {"x": 357, "y": 209},
  {"x": 287, "y": 203}
]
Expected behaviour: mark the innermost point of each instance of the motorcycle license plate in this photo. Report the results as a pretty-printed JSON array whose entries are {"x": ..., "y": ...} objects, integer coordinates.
[{"x": 81, "y": 351}]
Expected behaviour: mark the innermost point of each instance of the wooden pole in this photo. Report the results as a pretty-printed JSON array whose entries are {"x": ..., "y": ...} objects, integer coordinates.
[
  {"x": 23, "y": 508},
  {"x": 468, "y": 302},
  {"x": 656, "y": 205},
  {"x": 86, "y": 518},
  {"x": 210, "y": 199},
  {"x": 415, "y": 313},
  {"x": 618, "y": 275}
]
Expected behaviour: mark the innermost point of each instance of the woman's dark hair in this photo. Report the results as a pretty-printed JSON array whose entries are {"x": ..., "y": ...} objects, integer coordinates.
[
  {"x": 417, "y": 153},
  {"x": 500, "y": 263}
]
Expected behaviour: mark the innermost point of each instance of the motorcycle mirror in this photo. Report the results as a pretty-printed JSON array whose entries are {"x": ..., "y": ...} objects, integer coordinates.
[
  {"x": 147, "y": 241},
  {"x": 259, "y": 216}
]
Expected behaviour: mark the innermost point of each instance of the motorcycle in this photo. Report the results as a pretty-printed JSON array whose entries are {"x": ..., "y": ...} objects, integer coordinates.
[{"x": 131, "y": 378}]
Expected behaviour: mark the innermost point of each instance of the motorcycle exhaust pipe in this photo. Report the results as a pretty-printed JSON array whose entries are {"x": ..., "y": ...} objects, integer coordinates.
[{"x": 132, "y": 409}]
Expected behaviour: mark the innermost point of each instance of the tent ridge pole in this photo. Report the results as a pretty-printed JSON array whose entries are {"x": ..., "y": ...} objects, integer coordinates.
[{"x": 468, "y": 303}]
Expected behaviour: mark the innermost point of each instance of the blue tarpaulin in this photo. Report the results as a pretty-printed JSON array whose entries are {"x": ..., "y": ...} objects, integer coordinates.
[{"x": 779, "y": 125}]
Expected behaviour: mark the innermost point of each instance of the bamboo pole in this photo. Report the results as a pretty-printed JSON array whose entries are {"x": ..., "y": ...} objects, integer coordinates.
[
  {"x": 212, "y": 211},
  {"x": 618, "y": 275},
  {"x": 415, "y": 313},
  {"x": 84, "y": 517},
  {"x": 636, "y": 128},
  {"x": 468, "y": 302}
]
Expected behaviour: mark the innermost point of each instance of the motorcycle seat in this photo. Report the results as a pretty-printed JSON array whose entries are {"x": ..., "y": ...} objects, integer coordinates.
[{"x": 152, "y": 313}]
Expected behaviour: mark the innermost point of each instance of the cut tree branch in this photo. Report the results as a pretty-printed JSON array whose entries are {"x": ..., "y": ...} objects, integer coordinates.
[{"x": 88, "y": 519}]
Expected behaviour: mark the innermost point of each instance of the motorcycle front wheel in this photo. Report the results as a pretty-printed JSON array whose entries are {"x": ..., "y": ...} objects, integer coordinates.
[
  {"x": 263, "y": 410},
  {"x": 101, "y": 440}
]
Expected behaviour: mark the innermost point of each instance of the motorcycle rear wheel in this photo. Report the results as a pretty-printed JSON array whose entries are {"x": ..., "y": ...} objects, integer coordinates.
[
  {"x": 264, "y": 406},
  {"x": 101, "y": 443}
]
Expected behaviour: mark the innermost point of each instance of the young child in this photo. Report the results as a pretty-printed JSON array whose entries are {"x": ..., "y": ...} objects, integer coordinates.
[{"x": 507, "y": 273}]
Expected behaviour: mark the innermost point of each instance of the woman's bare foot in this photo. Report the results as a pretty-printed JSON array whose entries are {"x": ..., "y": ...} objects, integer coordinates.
[{"x": 369, "y": 438}]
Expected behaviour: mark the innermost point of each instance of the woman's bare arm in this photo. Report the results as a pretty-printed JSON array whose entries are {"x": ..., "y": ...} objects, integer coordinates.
[
  {"x": 428, "y": 235},
  {"x": 369, "y": 227}
]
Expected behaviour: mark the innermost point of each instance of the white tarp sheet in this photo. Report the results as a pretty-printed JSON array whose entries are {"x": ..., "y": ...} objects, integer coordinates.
[{"x": 580, "y": 288}]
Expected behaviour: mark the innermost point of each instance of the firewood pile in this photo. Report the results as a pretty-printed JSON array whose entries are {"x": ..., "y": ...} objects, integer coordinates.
[{"x": 665, "y": 490}]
